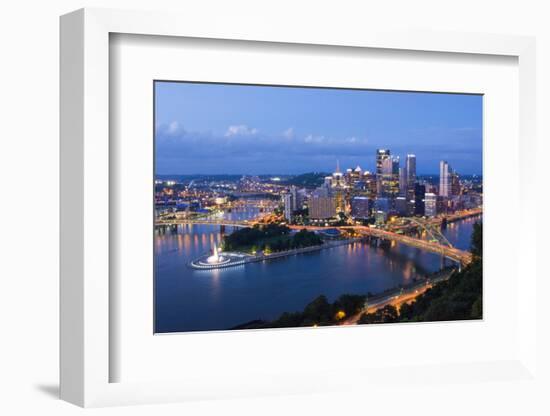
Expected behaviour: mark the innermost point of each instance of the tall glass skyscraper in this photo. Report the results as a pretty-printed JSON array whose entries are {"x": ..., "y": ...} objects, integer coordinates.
[
  {"x": 444, "y": 179},
  {"x": 381, "y": 155},
  {"x": 410, "y": 165}
]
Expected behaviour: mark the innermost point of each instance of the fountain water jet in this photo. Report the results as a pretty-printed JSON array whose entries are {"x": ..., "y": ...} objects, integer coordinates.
[{"x": 215, "y": 258}]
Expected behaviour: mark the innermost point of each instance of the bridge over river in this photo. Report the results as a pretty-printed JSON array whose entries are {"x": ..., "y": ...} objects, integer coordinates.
[
  {"x": 206, "y": 221},
  {"x": 438, "y": 243}
]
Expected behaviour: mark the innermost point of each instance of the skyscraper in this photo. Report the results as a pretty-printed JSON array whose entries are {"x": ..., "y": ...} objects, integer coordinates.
[
  {"x": 361, "y": 207},
  {"x": 321, "y": 206},
  {"x": 402, "y": 206},
  {"x": 395, "y": 166},
  {"x": 444, "y": 179},
  {"x": 403, "y": 181},
  {"x": 410, "y": 166},
  {"x": 353, "y": 176},
  {"x": 430, "y": 205},
  {"x": 294, "y": 198},
  {"x": 383, "y": 164},
  {"x": 370, "y": 183},
  {"x": 337, "y": 189},
  {"x": 337, "y": 176},
  {"x": 387, "y": 174},
  {"x": 455, "y": 183},
  {"x": 386, "y": 168},
  {"x": 419, "y": 195},
  {"x": 287, "y": 199},
  {"x": 381, "y": 155}
]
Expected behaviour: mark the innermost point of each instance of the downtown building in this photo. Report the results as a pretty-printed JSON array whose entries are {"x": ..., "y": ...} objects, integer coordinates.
[
  {"x": 430, "y": 204},
  {"x": 293, "y": 201},
  {"x": 361, "y": 207},
  {"x": 322, "y": 203},
  {"x": 407, "y": 177},
  {"x": 444, "y": 179},
  {"x": 288, "y": 206},
  {"x": 410, "y": 167},
  {"x": 387, "y": 174},
  {"x": 322, "y": 207},
  {"x": 449, "y": 189},
  {"x": 402, "y": 206},
  {"x": 403, "y": 182},
  {"x": 419, "y": 195},
  {"x": 369, "y": 184},
  {"x": 381, "y": 156},
  {"x": 337, "y": 188}
]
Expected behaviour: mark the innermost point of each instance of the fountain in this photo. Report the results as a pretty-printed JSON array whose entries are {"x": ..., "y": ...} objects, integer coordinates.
[
  {"x": 218, "y": 259},
  {"x": 215, "y": 258}
]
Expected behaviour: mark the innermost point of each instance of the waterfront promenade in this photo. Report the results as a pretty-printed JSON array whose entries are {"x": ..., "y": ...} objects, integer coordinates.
[{"x": 244, "y": 258}]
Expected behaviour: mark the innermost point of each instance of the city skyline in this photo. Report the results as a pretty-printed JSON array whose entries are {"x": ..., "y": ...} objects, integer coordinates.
[
  {"x": 259, "y": 130},
  {"x": 281, "y": 207}
]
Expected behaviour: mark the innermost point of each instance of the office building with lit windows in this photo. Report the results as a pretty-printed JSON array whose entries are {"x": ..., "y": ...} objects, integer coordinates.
[
  {"x": 444, "y": 179},
  {"x": 321, "y": 206},
  {"x": 361, "y": 207},
  {"x": 288, "y": 202},
  {"x": 430, "y": 204}
]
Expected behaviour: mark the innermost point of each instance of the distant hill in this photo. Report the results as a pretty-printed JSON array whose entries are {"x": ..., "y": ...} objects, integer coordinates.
[
  {"x": 200, "y": 177},
  {"x": 307, "y": 180}
]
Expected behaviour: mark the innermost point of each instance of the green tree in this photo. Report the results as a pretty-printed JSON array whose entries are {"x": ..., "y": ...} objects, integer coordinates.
[
  {"x": 387, "y": 314},
  {"x": 477, "y": 308},
  {"x": 318, "y": 311},
  {"x": 350, "y": 304},
  {"x": 477, "y": 240}
]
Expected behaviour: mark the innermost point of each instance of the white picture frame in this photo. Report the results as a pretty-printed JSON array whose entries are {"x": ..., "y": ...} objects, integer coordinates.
[{"x": 86, "y": 301}]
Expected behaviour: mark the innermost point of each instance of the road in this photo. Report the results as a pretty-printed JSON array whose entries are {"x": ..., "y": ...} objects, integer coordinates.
[
  {"x": 398, "y": 297},
  {"x": 463, "y": 257}
]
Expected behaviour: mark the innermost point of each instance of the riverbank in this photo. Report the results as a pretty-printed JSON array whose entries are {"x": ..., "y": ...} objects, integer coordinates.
[
  {"x": 399, "y": 295},
  {"x": 239, "y": 259},
  {"x": 222, "y": 299},
  {"x": 348, "y": 308}
]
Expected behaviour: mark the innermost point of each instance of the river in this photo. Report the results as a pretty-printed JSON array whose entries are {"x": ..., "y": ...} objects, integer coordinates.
[{"x": 197, "y": 300}]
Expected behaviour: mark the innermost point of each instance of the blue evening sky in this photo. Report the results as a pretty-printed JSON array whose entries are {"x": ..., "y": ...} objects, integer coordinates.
[{"x": 238, "y": 129}]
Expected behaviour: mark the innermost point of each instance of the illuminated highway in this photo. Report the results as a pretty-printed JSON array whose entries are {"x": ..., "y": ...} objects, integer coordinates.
[{"x": 397, "y": 297}]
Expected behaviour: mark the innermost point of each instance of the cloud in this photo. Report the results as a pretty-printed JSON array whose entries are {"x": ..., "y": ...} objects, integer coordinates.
[
  {"x": 288, "y": 133},
  {"x": 310, "y": 138},
  {"x": 245, "y": 149},
  {"x": 173, "y": 127},
  {"x": 174, "y": 141},
  {"x": 170, "y": 130},
  {"x": 240, "y": 130}
]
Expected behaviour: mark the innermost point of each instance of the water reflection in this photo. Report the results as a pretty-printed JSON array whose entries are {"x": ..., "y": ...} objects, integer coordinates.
[{"x": 188, "y": 299}]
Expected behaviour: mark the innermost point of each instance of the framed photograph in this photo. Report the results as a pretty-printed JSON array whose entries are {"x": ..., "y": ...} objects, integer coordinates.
[
  {"x": 254, "y": 230},
  {"x": 243, "y": 214}
]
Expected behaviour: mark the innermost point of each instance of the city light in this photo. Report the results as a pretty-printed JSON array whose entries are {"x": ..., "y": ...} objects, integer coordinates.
[
  {"x": 384, "y": 208},
  {"x": 297, "y": 218}
]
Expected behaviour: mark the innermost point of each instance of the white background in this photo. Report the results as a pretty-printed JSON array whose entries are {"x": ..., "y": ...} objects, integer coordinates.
[{"x": 29, "y": 226}]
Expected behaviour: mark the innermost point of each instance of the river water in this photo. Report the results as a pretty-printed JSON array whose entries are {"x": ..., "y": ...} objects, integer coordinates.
[{"x": 197, "y": 300}]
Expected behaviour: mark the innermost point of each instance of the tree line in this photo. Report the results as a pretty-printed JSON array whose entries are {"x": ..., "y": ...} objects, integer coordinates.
[
  {"x": 458, "y": 298},
  {"x": 269, "y": 238}
]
